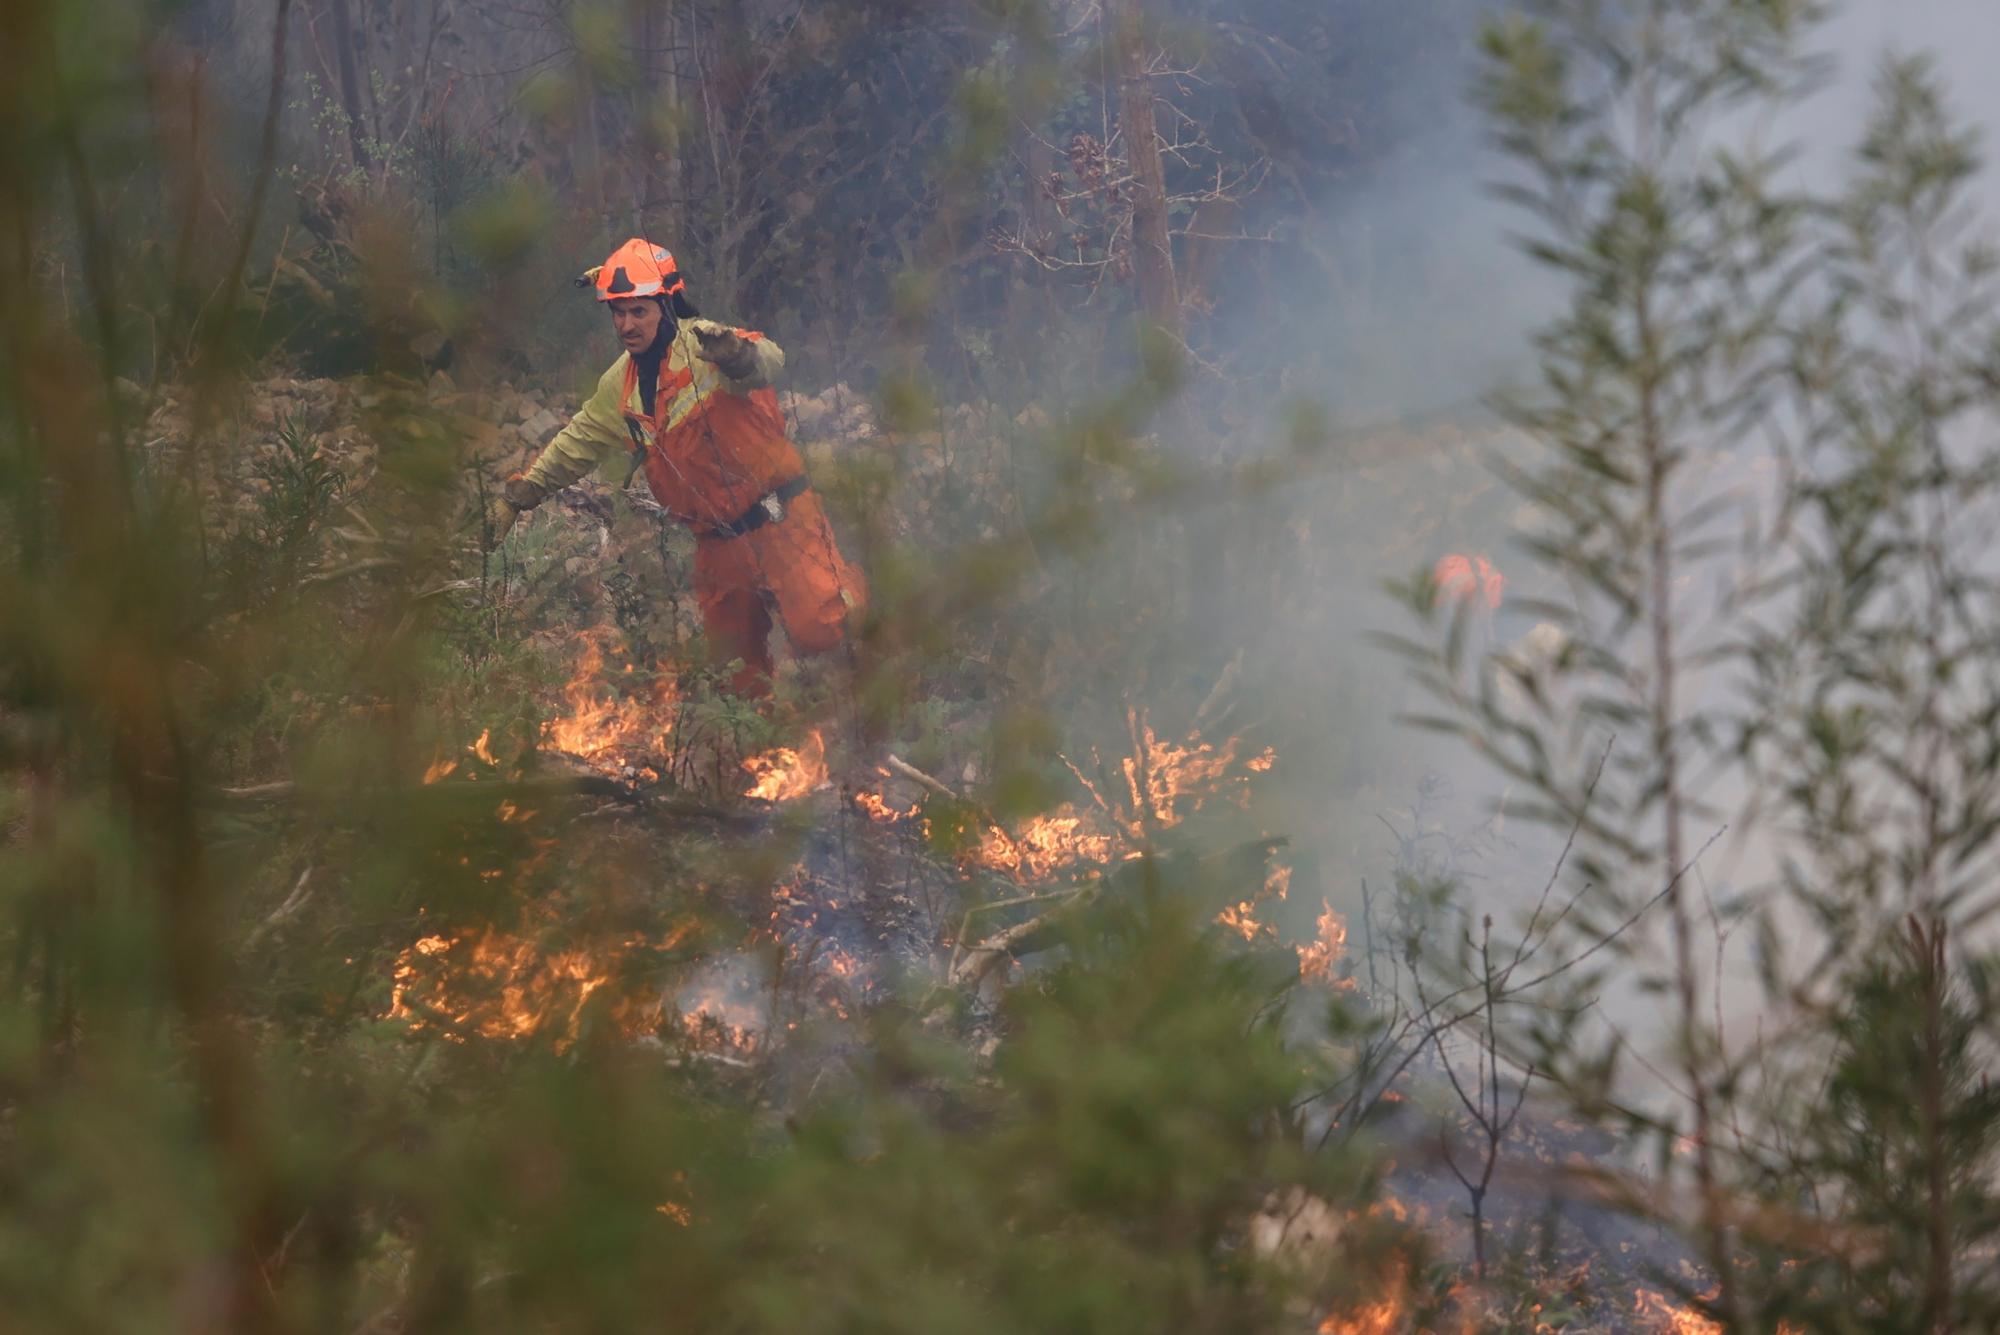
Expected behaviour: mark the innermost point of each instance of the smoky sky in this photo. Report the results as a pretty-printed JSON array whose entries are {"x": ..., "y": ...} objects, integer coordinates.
[{"x": 1962, "y": 37}]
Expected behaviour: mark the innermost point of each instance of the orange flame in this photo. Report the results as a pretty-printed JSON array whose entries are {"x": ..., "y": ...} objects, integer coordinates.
[
  {"x": 1388, "y": 1314},
  {"x": 1318, "y": 958},
  {"x": 715, "y": 1020},
  {"x": 878, "y": 809},
  {"x": 1241, "y": 918},
  {"x": 784, "y": 774},
  {"x": 1062, "y": 841},
  {"x": 486, "y": 983},
  {"x": 1162, "y": 783},
  {"x": 1166, "y": 780},
  {"x": 1155, "y": 787},
  {"x": 604, "y": 726},
  {"x": 439, "y": 769},
  {"x": 1668, "y": 1318},
  {"x": 1383, "y": 1317},
  {"x": 495, "y": 985}
]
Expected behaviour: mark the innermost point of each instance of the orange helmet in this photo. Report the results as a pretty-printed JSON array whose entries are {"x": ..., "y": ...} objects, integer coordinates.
[{"x": 636, "y": 269}]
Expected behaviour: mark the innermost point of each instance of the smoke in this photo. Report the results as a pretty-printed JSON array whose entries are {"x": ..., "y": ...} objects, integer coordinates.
[
  {"x": 1959, "y": 37},
  {"x": 1416, "y": 306}
]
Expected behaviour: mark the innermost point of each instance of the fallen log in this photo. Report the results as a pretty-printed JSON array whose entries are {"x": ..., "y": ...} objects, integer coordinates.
[
  {"x": 970, "y": 966},
  {"x": 519, "y": 791},
  {"x": 898, "y": 765}
]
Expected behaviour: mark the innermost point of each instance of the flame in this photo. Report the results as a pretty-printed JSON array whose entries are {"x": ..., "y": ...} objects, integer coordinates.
[
  {"x": 1166, "y": 780},
  {"x": 1241, "y": 918},
  {"x": 480, "y": 747},
  {"x": 605, "y": 726},
  {"x": 1318, "y": 958},
  {"x": 878, "y": 808},
  {"x": 1388, "y": 1314},
  {"x": 1062, "y": 841},
  {"x": 715, "y": 1021},
  {"x": 1154, "y": 788},
  {"x": 439, "y": 769},
  {"x": 1668, "y": 1318},
  {"x": 783, "y": 774},
  {"x": 1383, "y": 1317},
  {"x": 487, "y": 983}
]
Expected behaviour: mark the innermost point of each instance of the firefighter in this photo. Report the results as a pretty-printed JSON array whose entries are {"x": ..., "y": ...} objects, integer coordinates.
[{"x": 690, "y": 402}]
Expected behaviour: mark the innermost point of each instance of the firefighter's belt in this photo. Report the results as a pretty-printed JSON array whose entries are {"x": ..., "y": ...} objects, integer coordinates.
[{"x": 769, "y": 509}]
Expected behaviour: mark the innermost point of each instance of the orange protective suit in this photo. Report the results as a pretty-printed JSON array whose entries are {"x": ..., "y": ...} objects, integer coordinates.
[{"x": 713, "y": 449}]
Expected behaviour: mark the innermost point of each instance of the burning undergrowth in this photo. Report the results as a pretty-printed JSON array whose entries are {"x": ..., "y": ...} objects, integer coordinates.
[
  {"x": 757, "y": 930},
  {"x": 859, "y": 887},
  {"x": 619, "y": 719},
  {"x": 699, "y": 958}
]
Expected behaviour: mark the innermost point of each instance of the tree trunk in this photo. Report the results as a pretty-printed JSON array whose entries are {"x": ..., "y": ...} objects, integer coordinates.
[
  {"x": 728, "y": 78},
  {"x": 656, "y": 183},
  {"x": 1152, "y": 250},
  {"x": 350, "y": 83}
]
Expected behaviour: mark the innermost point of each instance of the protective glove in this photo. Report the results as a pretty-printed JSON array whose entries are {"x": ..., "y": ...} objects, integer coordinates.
[
  {"x": 729, "y": 350},
  {"x": 517, "y": 495}
]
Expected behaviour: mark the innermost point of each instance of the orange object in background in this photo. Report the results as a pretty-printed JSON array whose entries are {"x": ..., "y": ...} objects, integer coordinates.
[{"x": 1461, "y": 579}]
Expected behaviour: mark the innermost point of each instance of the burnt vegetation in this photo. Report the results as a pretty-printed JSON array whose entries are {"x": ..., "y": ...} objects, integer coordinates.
[{"x": 1350, "y": 810}]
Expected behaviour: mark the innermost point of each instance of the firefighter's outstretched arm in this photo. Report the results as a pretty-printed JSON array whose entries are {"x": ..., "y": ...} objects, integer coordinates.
[
  {"x": 592, "y": 436},
  {"x": 746, "y": 359}
]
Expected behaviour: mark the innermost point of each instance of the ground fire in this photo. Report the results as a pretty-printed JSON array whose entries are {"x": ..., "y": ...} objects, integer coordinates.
[
  {"x": 784, "y": 774},
  {"x": 1152, "y": 788},
  {"x": 616, "y": 719},
  {"x": 612, "y": 719},
  {"x": 490, "y": 984},
  {"x": 1657, "y": 1313}
]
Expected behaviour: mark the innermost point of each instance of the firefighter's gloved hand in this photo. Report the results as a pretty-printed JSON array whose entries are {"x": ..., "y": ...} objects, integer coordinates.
[
  {"x": 729, "y": 350},
  {"x": 519, "y": 494}
]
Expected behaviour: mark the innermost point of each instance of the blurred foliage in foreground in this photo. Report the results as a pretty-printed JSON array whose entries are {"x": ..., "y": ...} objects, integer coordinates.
[{"x": 276, "y": 731}]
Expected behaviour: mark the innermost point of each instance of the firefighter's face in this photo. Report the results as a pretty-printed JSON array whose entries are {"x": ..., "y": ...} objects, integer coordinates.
[{"x": 637, "y": 320}]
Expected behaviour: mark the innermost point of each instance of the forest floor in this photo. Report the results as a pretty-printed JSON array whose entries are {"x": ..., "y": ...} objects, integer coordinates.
[{"x": 832, "y": 875}]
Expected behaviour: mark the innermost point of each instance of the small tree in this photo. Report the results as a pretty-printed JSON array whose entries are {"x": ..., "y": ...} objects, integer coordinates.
[
  {"x": 1841, "y": 1158},
  {"x": 1874, "y": 658},
  {"x": 1677, "y": 253}
]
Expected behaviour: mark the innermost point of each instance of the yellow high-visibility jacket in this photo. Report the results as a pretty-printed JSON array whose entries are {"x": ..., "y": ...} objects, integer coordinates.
[{"x": 711, "y": 446}]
